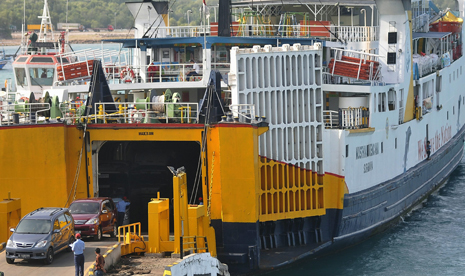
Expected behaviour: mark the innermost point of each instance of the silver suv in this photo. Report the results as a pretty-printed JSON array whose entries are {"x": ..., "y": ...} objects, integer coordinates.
[{"x": 41, "y": 234}]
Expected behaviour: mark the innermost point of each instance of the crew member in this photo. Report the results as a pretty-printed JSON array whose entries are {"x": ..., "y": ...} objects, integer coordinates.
[
  {"x": 122, "y": 210},
  {"x": 78, "y": 248}
]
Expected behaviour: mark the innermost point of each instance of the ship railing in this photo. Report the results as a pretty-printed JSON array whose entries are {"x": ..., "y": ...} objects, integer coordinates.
[
  {"x": 23, "y": 113},
  {"x": 329, "y": 78},
  {"x": 243, "y": 112},
  {"x": 195, "y": 243},
  {"x": 331, "y": 118},
  {"x": 131, "y": 112},
  {"x": 171, "y": 72},
  {"x": 353, "y": 118},
  {"x": 79, "y": 65},
  {"x": 321, "y": 31},
  {"x": 346, "y": 118},
  {"x": 355, "y": 33}
]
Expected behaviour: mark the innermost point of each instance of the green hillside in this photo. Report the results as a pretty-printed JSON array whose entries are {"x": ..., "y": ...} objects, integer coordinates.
[{"x": 91, "y": 13}]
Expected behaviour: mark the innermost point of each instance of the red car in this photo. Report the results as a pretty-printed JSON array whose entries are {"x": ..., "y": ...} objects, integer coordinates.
[{"x": 94, "y": 217}]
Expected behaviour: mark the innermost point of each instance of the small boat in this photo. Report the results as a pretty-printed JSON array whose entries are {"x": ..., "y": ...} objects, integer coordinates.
[{"x": 3, "y": 59}]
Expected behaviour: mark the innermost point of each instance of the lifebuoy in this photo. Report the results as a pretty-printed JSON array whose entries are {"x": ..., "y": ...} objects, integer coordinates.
[{"x": 127, "y": 75}]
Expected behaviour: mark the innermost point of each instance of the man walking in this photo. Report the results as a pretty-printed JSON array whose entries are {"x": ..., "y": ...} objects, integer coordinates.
[
  {"x": 428, "y": 149},
  {"x": 99, "y": 263},
  {"x": 78, "y": 248},
  {"x": 122, "y": 210}
]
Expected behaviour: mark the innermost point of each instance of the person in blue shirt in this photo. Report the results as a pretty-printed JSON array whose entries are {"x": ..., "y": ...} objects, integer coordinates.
[
  {"x": 78, "y": 248},
  {"x": 428, "y": 149},
  {"x": 121, "y": 207}
]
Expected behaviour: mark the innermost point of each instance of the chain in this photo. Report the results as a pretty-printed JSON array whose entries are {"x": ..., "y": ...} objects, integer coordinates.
[{"x": 211, "y": 184}]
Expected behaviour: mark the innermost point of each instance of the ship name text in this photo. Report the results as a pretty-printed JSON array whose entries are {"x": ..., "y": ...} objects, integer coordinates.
[
  {"x": 366, "y": 151},
  {"x": 368, "y": 167},
  {"x": 440, "y": 138}
]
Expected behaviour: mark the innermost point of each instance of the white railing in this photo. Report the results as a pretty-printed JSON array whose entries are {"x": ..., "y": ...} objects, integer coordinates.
[
  {"x": 243, "y": 112},
  {"x": 76, "y": 66},
  {"x": 331, "y": 118},
  {"x": 135, "y": 112},
  {"x": 346, "y": 118},
  {"x": 22, "y": 113},
  {"x": 354, "y": 117},
  {"x": 355, "y": 33},
  {"x": 325, "y": 32}
]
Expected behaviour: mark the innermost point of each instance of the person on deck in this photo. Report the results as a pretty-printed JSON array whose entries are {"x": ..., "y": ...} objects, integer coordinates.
[
  {"x": 122, "y": 210},
  {"x": 195, "y": 69}
]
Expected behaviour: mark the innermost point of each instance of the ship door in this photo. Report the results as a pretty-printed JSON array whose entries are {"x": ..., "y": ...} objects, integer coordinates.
[{"x": 139, "y": 171}]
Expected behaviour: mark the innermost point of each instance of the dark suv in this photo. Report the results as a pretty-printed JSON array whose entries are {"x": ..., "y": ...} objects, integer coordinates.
[
  {"x": 94, "y": 217},
  {"x": 41, "y": 234}
]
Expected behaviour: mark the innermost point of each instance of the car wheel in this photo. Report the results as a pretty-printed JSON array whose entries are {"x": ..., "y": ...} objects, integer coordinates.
[
  {"x": 10, "y": 261},
  {"x": 49, "y": 256},
  {"x": 98, "y": 237},
  {"x": 70, "y": 242},
  {"x": 114, "y": 233}
]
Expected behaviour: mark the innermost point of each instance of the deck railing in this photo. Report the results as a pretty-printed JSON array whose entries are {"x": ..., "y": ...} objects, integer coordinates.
[
  {"x": 23, "y": 113},
  {"x": 347, "y": 118},
  {"x": 324, "y": 32},
  {"x": 134, "y": 112}
]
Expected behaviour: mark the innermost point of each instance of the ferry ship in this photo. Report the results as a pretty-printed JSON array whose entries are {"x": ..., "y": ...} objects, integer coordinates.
[{"x": 307, "y": 127}]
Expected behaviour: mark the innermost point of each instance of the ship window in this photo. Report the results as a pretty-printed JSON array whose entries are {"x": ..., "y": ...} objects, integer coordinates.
[
  {"x": 453, "y": 110},
  {"x": 347, "y": 151},
  {"x": 62, "y": 60},
  {"x": 395, "y": 143},
  {"x": 381, "y": 147},
  {"x": 391, "y": 99},
  {"x": 382, "y": 102},
  {"x": 42, "y": 59},
  {"x": 438, "y": 83},
  {"x": 21, "y": 79},
  {"x": 374, "y": 109},
  {"x": 41, "y": 76},
  {"x": 391, "y": 58},
  {"x": 21, "y": 59},
  {"x": 447, "y": 115},
  {"x": 450, "y": 79},
  {"x": 392, "y": 37}
]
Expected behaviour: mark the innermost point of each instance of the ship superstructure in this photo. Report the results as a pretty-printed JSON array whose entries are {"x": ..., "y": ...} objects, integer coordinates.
[{"x": 327, "y": 111}]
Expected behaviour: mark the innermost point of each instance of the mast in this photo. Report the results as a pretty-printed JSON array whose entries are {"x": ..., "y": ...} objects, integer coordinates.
[{"x": 45, "y": 24}]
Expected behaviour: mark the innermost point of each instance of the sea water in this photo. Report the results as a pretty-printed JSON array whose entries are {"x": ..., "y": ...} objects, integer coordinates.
[{"x": 428, "y": 241}]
